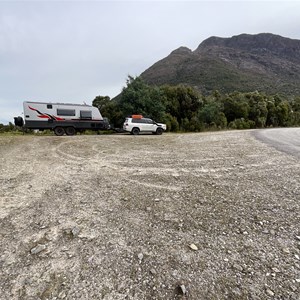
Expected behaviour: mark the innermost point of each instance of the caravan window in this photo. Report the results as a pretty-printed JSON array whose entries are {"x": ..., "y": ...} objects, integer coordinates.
[
  {"x": 85, "y": 114},
  {"x": 49, "y": 106},
  {"x": 65, "y": 112}
]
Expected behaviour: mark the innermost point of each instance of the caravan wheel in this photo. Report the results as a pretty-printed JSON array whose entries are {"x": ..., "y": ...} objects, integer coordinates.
[
  {"x": 70, "y": 130},
  {"x": 59, "y": 131}
]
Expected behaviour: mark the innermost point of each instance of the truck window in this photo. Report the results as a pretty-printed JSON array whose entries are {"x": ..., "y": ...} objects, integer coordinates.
[
  {"x": 85, "y": 114},
  {"x": 65, "y": 112}
]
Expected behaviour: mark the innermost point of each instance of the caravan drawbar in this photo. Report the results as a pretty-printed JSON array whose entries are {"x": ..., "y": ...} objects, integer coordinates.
[{"x": 62, "y": 118}]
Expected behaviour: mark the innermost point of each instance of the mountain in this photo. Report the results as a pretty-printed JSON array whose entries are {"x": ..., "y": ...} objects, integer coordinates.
[{"x": 264, "y": 62}]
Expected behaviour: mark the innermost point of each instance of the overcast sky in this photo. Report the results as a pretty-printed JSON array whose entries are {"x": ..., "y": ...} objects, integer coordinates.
[{"x": 72, "y": 51}]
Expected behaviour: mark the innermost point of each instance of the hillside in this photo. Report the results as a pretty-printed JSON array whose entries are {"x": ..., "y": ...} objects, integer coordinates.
[{"x": 263, "y": 62}]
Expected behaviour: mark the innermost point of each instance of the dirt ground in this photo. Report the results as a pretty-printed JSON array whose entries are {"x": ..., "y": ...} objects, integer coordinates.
[{"x": 177, "y": 216}]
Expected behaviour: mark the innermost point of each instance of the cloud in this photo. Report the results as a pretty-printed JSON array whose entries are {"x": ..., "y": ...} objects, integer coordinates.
[{"x": 72, "y": 51}]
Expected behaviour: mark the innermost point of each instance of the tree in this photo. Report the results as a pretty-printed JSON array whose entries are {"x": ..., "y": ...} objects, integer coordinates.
[
  {"x": 235, "y": 107},
  {"x": 283, "y": 111},
  {"x": 183, "y": 102},
  {"x": 258, "y": 109},
  {"x": 140, "y": 98},
  {"x": 101, "y": 101},
  {"x": 109, "y": 109}
]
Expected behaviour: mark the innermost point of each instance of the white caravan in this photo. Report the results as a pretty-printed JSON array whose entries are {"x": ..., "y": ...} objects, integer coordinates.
[{"x": 61, "y": 117}]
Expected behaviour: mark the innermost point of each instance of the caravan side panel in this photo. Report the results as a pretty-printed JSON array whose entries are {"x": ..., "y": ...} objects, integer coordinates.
[{"x": 50, "y": 115}]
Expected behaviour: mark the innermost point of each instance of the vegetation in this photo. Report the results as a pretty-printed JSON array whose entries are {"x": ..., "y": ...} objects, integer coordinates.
[
  {"x": 183, "y": 108},
  {"x": 8, "y": 128}
]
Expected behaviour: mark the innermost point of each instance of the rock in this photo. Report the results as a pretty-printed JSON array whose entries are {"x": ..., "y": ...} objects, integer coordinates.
[
  {"x": 183, "y": 289},
  {"x": 140, "y": 256},
  {"x": 297, "y": 280},
  {"x": 152, "y": 271},
  {"x": 156, "y": 200},
  {"x": 298, "y": 237},
  {"x": 37, "y": 249},
  {"x": 237, "y": 292},
  {"x": 238, "y": 267},
  {"x": 148, "y": 208},
  {"x": 75, "y": 231},
  {"x": 270, "y": 293},
  {"x": 286, "y": 250},
  {"x": 293, "y": 288},
  {"x": 297, "y": 256},
  {"x": 275, "y": 270},
  {"x": 193, "y": 247}
]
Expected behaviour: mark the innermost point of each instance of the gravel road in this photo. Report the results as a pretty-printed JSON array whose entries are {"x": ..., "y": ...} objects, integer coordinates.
[{"x": 177, "y": 216}]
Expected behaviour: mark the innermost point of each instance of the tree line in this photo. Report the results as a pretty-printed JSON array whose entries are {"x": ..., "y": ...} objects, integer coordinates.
[
  {"x": 185, "y": 109},
  {"x": 7, "y": 128}
]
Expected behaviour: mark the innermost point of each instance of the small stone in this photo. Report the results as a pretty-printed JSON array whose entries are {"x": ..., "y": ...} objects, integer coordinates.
[
  {"x": 237, "y": 292},
  {"x": 297, "y": 280},
  {"x": 270, "y": 293},
  {"x": 148, "y": 208},
  {"x": 286, "y": 250},
  {"x": 298, "y": 237},
  {"x": 140, "y": 256},
  {"x": 226, "y": 259},
  {"x": 293, "y": 288},
  {"x": 37, "y": 249},
  {"x": 272, "y": 232},
  {"x": 193, "y": 247},
  {"x": 238, "y": 267},
  {"x": 75, "y": 231},
  {"x": 152, "y": 271},
  {"x": 297, "y": 256},
  {"x": 275, "y": 270},
  {"x": 156, "y": 200},
  {"x": 62, "y": 295},
  {"x": 183, "y": 289}
]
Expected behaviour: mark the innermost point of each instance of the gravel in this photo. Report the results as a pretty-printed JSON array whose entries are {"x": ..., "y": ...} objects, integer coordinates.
[{"x": 114, "y": 216}]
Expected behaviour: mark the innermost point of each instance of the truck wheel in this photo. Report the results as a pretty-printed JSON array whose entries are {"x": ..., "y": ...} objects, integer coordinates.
[
  {"x": 59, "y": 131},
  {"x": 135, "y": 131},
  {"x": 70, "y": 130},
  {"x": 159, "y": 131}
]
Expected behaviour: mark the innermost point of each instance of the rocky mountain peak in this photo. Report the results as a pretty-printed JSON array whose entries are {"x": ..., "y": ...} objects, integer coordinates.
[
  {"x": 246, "y": 62},
  {"x": 255, "y": 43},
  {"x": 182, "y": 51}
]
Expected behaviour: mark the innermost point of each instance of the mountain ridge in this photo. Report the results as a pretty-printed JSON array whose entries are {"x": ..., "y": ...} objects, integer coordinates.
[{"x": 265, "y": 62}]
